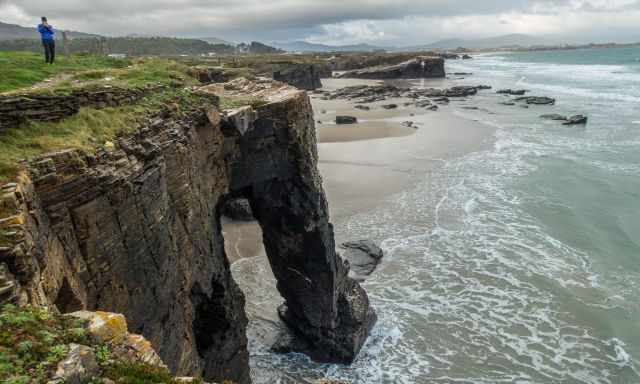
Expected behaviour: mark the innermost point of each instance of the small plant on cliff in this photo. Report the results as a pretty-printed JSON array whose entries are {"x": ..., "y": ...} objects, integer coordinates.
[
  {"x": 135, "y": 373},
  {"x": 32, "y": 342}
]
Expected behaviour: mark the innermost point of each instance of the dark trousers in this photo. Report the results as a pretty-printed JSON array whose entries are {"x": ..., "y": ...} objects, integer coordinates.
[{"x": 49, "y": 51}]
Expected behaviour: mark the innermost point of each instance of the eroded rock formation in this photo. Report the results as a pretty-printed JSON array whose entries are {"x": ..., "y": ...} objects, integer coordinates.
[
  {"x": 417, "y": 68},
  {"x": 136, "y": 230},
  {"x": 301, "y": 76}
]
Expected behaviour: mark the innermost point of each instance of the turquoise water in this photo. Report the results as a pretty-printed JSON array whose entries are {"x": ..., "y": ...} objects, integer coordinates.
[{"x": 519, "y": 263}]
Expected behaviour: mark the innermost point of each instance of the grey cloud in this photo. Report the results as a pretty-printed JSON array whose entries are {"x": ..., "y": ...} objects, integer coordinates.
[{"x": 274, "y": 19}]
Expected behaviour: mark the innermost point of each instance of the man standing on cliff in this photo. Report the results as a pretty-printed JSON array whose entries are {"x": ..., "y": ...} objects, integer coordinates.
[{"x": 48, "y": 40}]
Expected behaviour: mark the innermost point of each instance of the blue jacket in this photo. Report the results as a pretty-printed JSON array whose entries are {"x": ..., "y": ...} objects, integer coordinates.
[{"x": 46, "y": 32}]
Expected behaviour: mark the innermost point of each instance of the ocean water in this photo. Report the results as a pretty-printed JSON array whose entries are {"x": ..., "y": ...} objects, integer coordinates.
[{"x": 518, "y": 263}]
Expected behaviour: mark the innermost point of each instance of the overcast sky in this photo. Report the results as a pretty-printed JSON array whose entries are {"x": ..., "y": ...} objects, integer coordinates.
[{"x": 382, "y": 22}]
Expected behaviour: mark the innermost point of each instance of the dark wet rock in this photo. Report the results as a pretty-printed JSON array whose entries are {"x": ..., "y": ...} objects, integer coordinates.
[
  {"x": 418, "y": 68},
  {"x": 471, "y": 108},
  {"x": 449, "y": 56},
  {"x": 463, "y": 73},
  {"x": 363, "y": 255},
  {"x": 514, "y": 92},
  {"x": 390, "y": 106},
  {"x": 363, "y": 94},
  {"x": 368, "y": 93},
  {"x": 427, "y": 104},
  {"x": 362, "y": 107},
  {"x": 346, "y": 120},
  {"x": 537, "y": 100},
  {"x": 510, "y": 103},
  {"x": 461, "y": 91},
  {"x": 441, "y": 100},
  {"x": 576, "y": 120},
  {"x": 238, "y": 209},
  {"x": 408, "y": 124},
  {"x": 466, "y": 57},
  {"x": 553, "y": 116}
]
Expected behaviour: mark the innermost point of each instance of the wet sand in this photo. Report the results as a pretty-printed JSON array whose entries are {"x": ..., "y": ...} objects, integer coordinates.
[{"x": 365, "y": 164}]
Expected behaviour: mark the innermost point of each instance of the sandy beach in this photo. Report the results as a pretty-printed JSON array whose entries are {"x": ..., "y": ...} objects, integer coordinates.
[{"x": 366, "y": 163}]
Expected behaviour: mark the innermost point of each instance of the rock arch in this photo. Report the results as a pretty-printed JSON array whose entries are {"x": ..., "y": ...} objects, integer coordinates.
[{"x": 276, "y": 170}]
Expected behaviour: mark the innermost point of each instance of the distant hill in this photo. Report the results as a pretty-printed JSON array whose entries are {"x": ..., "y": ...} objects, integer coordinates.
[
  {"x": 132, "y": 46},
  {"x": 511, "y": 40},
  {"x": 14, "y": 31},
  {"x": 215, "y": 40},
  {"x": 303, "y": 46},
  {"x": 257, "y": 48}
]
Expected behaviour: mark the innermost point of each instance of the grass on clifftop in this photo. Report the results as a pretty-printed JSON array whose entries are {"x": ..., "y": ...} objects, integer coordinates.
[
  {"x": 87, "y": 130},
  {"x": 21, "y": 70},
  {"x": 24, "y": 69}
]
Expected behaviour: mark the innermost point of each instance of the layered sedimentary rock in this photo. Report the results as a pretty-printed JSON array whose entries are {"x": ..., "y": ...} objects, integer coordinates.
[
  {"x": 417, "y": 68},
  {"x": 136, "y": 230},
  {"x": 301, "y": 76},
  {"x": 17, "y": 109}
]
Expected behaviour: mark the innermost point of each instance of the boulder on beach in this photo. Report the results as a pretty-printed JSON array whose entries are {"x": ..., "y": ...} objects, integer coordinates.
[
  {"x": 362, "y": 107},
  {"x": 466, "y": 57},
  {"x": 346, "y": 120},
  {"x": 576, "y": 120},
  {"x": 390, "y": 106},
  {"x": 363, "y": 257},
  {"x": 418, "y": 68}
]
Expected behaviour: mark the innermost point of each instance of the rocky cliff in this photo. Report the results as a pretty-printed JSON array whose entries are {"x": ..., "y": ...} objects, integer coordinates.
[
  {"x": 135, "y": 229},
  {"x": 302, "y": 76}
]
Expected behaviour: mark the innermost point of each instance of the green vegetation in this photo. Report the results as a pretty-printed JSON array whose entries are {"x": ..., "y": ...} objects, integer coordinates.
[
  {"x": 24, "y": 69},
  {"x": 33, "y": 341},
  {"x": 140, "y": 73},
  {"x": 136, "y": 373},
  {"x": 88, "y": 129}
]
